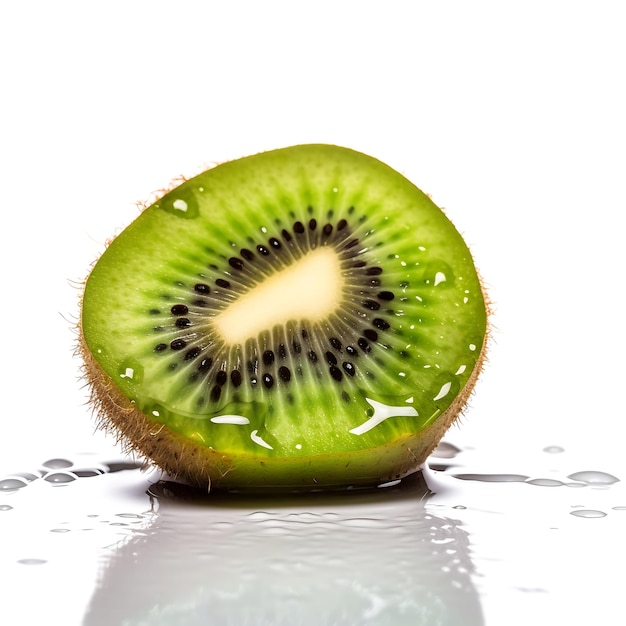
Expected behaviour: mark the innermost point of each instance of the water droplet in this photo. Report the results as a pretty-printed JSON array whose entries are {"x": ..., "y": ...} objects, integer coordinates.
[
  {"x": 443, "y": 392},
  {"x": 545, "y": 482},
  {"x": 181, "y": 202},
  {"x": 129, "y": 515},
  {"x": 60, "y": 478},
  {"x": 131, "y": 370},
  {"x": 391, "y": 483},
  {"x": 459, "y": 506},
  {"x": 553, "y": 449},
  {"x": 58, "y": 463},
  {"x": 5, "y": 507},
  {"x": 10, "y": 484},
  {"x": 594, "y": 478},
  {"x": 588, "y": 513},
  {"x": 87, "y": 473},
  {"x": 494, "y": 478},
  {"x": 32, "y": 561},
  {"x": 60, "y": 530}
]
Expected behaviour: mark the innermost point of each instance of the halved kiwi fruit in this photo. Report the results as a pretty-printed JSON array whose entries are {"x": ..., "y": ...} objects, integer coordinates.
[{"x": 304, "y": 318}]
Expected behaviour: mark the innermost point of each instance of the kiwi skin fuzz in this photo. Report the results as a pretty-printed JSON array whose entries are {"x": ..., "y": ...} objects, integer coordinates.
[{"x": 203, "y": 466}]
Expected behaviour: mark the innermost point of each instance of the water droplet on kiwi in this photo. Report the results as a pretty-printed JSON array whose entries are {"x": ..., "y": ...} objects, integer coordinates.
[
  {"x": 594, "y": 478},
  {"x": 181, "y": 202},
  {"x": 131, "y": 370},
  {"x": 588, "y": 513}
]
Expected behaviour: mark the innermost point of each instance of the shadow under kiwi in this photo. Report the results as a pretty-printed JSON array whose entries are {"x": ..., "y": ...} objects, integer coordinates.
[{"x": 370, "y": 556}]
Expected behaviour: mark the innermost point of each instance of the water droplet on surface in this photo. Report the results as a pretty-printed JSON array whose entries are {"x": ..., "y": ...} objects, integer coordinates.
[
  {"x": 594, "y": 478},
  {"x": 553, "y": 449},
  {"x": 32, "y": 561},
  {"x": 88, "y": 473},
  {"x": 10, "y": 484},
  {"x": 545, "y": 482},
  {"x": 58, "y": 463},
  {"x": 60, "y": 478},
  {"x": 589, "y": 513},
  {"x": 60, "y": 530},
  {"x": 494, "y": 478},
  {"x": 619, "y": 508},
  {"x": 5, "y": 507}
]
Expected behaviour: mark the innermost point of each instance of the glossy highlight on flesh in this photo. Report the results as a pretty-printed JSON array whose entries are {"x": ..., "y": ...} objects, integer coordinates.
[{"x": 301, "y": 319}]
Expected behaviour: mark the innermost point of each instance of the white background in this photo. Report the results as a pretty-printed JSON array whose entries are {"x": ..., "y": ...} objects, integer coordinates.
[{"x": 510, "y": 114}]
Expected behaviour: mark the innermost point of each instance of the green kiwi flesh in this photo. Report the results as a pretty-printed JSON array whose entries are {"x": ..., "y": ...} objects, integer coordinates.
[{"x": 304, "y": 318}]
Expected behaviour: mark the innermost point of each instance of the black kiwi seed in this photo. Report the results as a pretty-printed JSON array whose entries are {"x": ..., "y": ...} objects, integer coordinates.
[
  {"x": 178, "y": 344},
  {"x": 331, "y": 358},
  {"x": 182, "y": 322},
  {"x": 221, "y": 377},
  {"x": 274, "y": 243},
  {"x": 380, "y": 324},
  {"x": 220, "y": 282},
  {"x": 192, "y": 353},
  {"x": 284, "y": 373},
  {"x": 372, "y": 305},
  {"x": 235, "y": 263},
  {"x": 268, "y": 380},
  {"x": 235, "y": 378},
  {"x": 335, "y": 372},
  {"x": 202, "y": 288},
  {"x": 352, "y": 351},
  {"x": 298, "y": 227},
  {"x": 374, "y": 271},
  {"x": 179, "y": 309},
  {"x": 372, "y": 335},
  {"x": 247, "y": 254},
  {"x": 268, "y": 357},
  {"x": 335, "y": 343},
  {"x": 263, "y": 250},
  {"x": 160, "y": 347},
  {"x": 385, "y": 295},
  {"x": 205, "y": 365},
  {"x": 363, "y": 344},
  {"x": 348, "y": 368}
]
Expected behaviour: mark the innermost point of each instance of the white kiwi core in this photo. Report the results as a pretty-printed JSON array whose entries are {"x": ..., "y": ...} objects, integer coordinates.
[{"x": 308, "y": 289}]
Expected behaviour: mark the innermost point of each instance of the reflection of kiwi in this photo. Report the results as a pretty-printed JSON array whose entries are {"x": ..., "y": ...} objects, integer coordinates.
[{"x": 302, "y": 318}]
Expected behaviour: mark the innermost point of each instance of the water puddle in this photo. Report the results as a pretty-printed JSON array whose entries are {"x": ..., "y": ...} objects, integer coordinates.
[{"x": 451, "y": 545}]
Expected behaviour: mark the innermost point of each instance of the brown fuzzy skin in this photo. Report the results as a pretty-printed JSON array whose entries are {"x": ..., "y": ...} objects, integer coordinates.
[{"x": 208, "y": 469}]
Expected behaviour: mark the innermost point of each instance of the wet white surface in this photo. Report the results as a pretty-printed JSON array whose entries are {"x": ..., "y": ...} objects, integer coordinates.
[
  {"x": 512, "y": 118},
  {"x": 103, "y": 542}
]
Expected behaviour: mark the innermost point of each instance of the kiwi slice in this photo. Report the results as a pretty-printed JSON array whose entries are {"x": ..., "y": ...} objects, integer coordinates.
[{"x": 304, "y": 318}]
